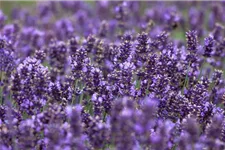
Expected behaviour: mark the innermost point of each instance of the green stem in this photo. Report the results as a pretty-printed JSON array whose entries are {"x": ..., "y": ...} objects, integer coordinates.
[
  {"x": 82, "y": 86},
  {"x": 200, "y": 74},
  {"x": 186, "y": 78},
  {"x": 147, "y": 90},
  {"x": 104, "y": 115},
  {"x": 81, "y": 97},
  {"x": 211, "y": 86},
  {"x": 90, "y": 108},
  {"x": 138, "y": 83},
  {"x": 74, "y": 96},
  {"x": 25, "y": 115}
]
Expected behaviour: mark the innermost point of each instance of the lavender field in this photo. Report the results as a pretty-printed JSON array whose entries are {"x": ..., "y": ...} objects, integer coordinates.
[{"x": 103, "y": 75}]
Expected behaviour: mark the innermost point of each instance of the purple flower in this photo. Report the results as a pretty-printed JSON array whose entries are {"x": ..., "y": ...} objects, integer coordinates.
[
  {"x": 209, "y": 46},
  {"x": 192, "y": 41},
  {"x": 30, "y": 85}
]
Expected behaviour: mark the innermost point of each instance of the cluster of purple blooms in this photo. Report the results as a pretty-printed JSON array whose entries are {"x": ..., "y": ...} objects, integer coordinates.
[{"x": 113, "y": 75}]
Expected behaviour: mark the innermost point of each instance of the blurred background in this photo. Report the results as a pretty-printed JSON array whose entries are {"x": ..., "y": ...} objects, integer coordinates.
[
  {"x": 7, "y": 6},
  {"x": 188, "y": 10}
]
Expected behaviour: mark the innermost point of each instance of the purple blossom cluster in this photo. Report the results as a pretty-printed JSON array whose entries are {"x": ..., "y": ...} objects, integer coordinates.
[{"x": 113, "y": 75}]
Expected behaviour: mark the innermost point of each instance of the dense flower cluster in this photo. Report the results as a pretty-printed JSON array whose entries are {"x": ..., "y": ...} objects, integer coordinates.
[{"x": 113, "y": 75}]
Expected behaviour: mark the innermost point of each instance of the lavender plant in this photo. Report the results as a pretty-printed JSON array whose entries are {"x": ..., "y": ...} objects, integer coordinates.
[{"x": 112, "y": 75}]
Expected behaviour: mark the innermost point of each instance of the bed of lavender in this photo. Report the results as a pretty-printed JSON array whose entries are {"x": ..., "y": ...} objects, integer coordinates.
[{"x": 113, "y": 75}]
